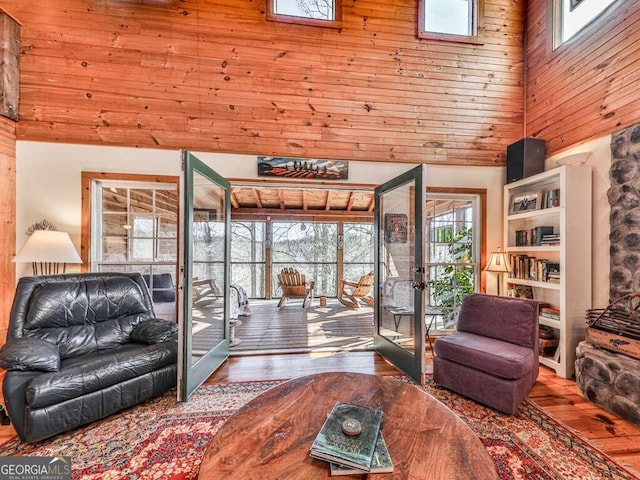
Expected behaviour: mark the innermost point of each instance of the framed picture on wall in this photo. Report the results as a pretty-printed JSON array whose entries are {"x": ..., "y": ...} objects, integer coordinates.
[{"x": 395, "y": 227}]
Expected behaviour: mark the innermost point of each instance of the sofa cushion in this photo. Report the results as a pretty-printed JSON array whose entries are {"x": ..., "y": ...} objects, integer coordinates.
[
  {"x": 495, "y": 357},
  {"x": 25, "y": 353},
  {"x": 513, "y": 320},
  {"x": 154, "y": 330},
  {"x": 85, "y": 316},
  {"x": 89, "y": 373}
]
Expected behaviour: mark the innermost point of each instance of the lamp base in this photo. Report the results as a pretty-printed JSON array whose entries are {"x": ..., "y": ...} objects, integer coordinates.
[{"x": 48, "y": 268}]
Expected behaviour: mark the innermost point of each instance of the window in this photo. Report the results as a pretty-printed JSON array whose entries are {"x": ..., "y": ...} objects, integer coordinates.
[
  {"x": 321, "y": 13},
  {"x": 248, "y": 257},
  {"x": 453, "y": 251},
  {"x": 571, "y": 16},
  {"x": 135, "y": 227},
  {"x": 455, "y": 20}
]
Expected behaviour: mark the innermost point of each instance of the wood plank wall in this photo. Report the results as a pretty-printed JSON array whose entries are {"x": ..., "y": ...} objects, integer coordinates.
[
  {"x": 587, "y": 87},
  {"x": 215, "y": 75},
  {"x": 8, "y": 220}
]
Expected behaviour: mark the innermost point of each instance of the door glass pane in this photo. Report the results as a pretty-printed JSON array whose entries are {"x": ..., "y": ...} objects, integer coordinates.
[
  {"x": 208, "y": 252},
  {"x": 451, "y": 254},
  {"x": 396, "y": 266}
]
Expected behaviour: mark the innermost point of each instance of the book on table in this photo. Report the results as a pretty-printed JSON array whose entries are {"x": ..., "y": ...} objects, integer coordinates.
[
  {"x": 332, "y": 444},
  {"x": 381, "y": 462}
]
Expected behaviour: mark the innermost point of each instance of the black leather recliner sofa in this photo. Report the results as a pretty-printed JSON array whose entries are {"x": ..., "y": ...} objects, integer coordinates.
[{"x": 81, "y": 347}]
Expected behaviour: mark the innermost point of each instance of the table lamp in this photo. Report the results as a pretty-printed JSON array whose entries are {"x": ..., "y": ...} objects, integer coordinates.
[
  {"x": 498, "y": 263},
  {"x": 48, "y": 252}
]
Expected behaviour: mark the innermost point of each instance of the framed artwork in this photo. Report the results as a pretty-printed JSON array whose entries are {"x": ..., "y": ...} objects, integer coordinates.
[
  {"x": 395, "y": 227},
  {"x": 303, "y": 168},
  {"x": 525, "y": 201}
]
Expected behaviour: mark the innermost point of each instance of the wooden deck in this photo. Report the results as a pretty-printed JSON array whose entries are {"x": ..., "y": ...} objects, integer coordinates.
[{"x": 296, "y": 329}]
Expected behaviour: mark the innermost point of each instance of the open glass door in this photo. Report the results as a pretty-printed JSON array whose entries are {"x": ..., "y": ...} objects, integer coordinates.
[
  {"x": 399, "y": 311},
  {"x": 204, "y": 252}
]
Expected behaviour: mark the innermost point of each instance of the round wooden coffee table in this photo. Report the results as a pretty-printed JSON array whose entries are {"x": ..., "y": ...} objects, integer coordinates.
[{"x": 270, "y": 437}]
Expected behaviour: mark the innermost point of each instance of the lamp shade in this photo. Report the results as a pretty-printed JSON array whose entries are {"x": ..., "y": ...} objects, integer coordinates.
[
  {"x": 47, "y": 246},
  {"x": 498, "y": 262}
]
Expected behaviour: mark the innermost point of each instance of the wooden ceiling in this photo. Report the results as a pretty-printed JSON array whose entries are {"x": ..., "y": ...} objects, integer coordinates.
[
  {"x": 301, "y": 199},
  {"x": 249, "y": 201}
]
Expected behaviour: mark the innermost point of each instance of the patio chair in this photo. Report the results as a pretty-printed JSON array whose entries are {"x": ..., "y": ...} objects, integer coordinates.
[
  {"x": 356, "y": 291},
  {"x": 293, "y": 285}
]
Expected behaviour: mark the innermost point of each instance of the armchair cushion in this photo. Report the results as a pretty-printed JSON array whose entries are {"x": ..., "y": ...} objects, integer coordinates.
[
  {"x": 97, "y": 371},
  {"x": 155, "y": 330},
  {"x": 26, "y": 353},
  {"x": 500, "y": 318},
  {"x": 495, "y": 357}
]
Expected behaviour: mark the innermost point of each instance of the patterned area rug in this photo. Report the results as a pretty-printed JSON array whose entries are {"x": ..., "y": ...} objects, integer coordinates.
[{"x": 166, "y": 440}]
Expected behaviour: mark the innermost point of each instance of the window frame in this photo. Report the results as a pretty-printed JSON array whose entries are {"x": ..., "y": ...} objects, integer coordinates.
[
  {"x": 587, "y": 29},
  {"x": 477, "y": 19},
  {"x": 272, "y": 16}
]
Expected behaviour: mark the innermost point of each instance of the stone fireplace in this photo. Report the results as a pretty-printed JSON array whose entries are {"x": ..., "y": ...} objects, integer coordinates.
[{"x": 609, "y": 379}]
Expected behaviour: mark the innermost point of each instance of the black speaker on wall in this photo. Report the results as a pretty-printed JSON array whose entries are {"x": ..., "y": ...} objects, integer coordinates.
[{"x": 525, "y": 158}]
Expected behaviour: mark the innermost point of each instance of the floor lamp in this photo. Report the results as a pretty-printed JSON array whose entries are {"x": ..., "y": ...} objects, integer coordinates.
[
  {"x": 498, "y": 263},
  {"x": 48, "y": 252}
]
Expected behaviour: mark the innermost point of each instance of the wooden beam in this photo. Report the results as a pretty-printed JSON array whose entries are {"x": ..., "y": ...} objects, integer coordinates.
[
  {"x": 304, "y": 199},
  {"x": 8, "y": 220},
  {"x": 328, "y": 203},
  {"x": 234, "y": 200},
  {"x": 372, "y": 203},
  {"x": 281, "y": 200},
  {"x": 256, "y": 195},
  {"x": 246, "y": 214},
  {"x": 9, "y": 66},
  {"x": 351, "y": 200}
]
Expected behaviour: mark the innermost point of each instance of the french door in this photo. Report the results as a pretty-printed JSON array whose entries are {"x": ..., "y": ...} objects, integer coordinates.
[
  {"x": 203, "y": 273},
  {"x": 399, "y": 310}
]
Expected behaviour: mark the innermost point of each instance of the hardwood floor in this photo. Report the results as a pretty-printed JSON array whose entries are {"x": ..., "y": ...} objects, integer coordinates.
[{"x": 559, "y": 397}]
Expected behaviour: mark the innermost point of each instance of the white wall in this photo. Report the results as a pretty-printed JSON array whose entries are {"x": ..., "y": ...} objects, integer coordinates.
[
  {"x": 48, "y": 177},
  {"x": 598, "y": 156}
]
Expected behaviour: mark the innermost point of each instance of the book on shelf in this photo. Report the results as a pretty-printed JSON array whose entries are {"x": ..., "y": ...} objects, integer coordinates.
[
  {"x": 525, "y": 267},
  {"x": 551, "y": 198},
  {"x": 550, "y": 239},
  {"x": 332, "y": 444},
  {"x": 537, "y": 233},
  {"x": 380, "y": 463},
  {"x": 522, "y": 238},
  {"x": 550, "y": 312}
]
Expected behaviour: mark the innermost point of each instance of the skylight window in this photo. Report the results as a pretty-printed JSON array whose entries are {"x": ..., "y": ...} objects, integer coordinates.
[
  {"x": 324, "y": 13},
  {"x": 454, "y": 20},
  {"x": 571, "y": 16}
]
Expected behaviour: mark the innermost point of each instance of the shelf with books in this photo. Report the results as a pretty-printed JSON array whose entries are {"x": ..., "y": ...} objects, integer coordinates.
[
  {"x": 534, "y": 248},
  {"x": 542, "y": 213},
  {"x": 552, "y": 231}
]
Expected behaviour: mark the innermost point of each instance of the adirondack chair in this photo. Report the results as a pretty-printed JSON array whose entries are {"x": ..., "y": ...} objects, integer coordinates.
[
  {"x": 293, "y": 285},
  {"x": 354, "y": 291}
]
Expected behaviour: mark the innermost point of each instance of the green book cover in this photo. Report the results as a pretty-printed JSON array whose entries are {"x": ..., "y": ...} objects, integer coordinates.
[
  {"x": 356, "y": 451},
  {"x": 380, "y": 463}
]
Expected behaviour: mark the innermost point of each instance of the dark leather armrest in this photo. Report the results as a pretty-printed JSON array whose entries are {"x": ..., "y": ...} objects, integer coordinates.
[
  {"x": 154, "y": 330},
  {"x": 27, "y": 353}
]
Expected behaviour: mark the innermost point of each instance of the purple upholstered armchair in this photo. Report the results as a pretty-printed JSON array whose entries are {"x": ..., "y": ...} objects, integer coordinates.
[{"x": 493, "y": 356}]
